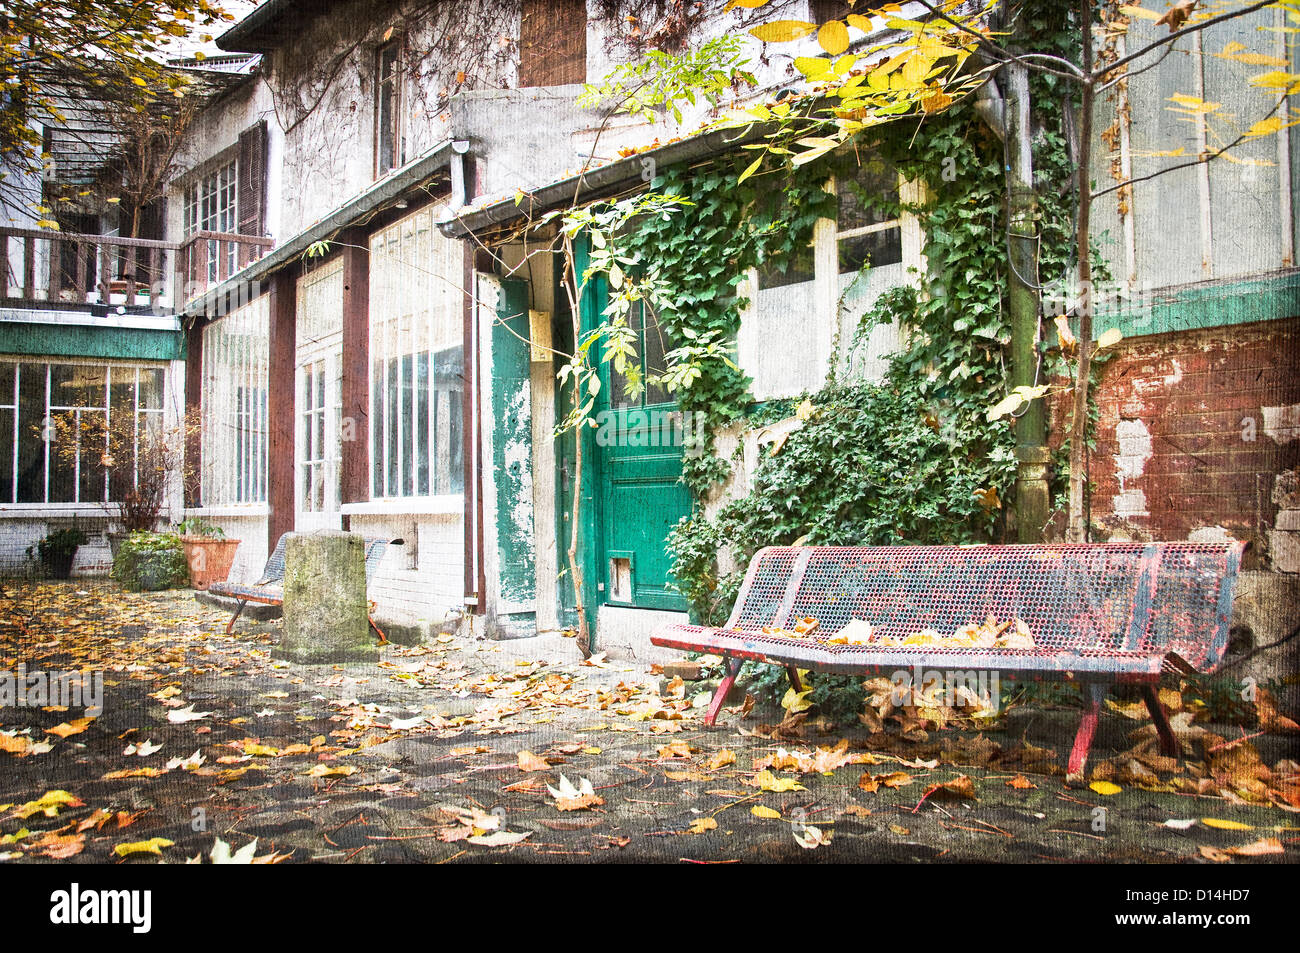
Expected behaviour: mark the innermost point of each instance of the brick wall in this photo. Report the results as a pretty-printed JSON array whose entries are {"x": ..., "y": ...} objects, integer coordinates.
[{"x": 1197, "y": 433}]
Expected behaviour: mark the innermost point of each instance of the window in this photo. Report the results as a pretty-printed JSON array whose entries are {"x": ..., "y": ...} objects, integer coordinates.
[
  {"x": 42, "y": 404},
  {"x": 211, "y": 206},
  {"x": 319, "y": 402},
  {"x": 235, "y": 380},
  {"x": 867, "y": 229},
  {"x": 553, "y": 42},
  {"x": 389, "y": 145},
  {"x": 417, "y": 361}
]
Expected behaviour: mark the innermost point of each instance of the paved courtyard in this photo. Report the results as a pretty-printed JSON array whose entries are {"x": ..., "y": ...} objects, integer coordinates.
[{"x": 464, "y": 751}]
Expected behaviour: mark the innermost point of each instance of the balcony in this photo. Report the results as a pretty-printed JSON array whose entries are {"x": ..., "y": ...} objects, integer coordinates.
[{"x": 78, "y": 272}]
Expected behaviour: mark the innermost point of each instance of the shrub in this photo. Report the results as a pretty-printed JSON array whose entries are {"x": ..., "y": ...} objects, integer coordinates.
[{"x": 151, "y": 561}]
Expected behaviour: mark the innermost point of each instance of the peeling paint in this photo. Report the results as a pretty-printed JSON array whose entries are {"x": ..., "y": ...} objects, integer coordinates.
[
  {"x": 1134, "y": 451},
  {"x": 1282, "y": 424},
  {"x": 1210, "y": 534}
]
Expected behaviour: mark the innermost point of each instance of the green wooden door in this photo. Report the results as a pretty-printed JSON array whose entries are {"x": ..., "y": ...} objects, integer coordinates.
[{"x": 639, "y": 448}]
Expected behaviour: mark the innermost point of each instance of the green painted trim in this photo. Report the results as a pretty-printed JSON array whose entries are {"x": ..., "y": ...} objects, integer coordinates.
[
  {"x": 512, "y": 426},
  {"x": 86, "y": 340},
  {"x": 1207, "y": 305}
]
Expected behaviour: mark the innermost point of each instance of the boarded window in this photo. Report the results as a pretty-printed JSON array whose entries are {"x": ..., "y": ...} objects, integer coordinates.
[
  {"x": 252, "y": 188},
  {"x": 388, "y": 136},
  {"x": 553, "y": 42}
]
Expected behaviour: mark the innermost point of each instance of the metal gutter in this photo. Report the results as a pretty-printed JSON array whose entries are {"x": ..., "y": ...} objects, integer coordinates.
[{"x": 386, "y": 190}]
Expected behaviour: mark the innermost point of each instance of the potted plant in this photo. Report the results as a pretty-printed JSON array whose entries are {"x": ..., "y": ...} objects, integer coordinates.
[
  {"x": 208, "y": 552},
  {"x": 151, "y": 561},
  {"x": 56, "y": 550}
]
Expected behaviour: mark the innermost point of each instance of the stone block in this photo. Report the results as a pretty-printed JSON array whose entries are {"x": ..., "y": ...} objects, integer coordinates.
[{"x": 325, "y": 604}]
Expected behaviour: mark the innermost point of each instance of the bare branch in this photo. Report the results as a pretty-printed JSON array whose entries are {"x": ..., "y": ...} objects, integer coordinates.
[{"x": 1101, "y": 73}]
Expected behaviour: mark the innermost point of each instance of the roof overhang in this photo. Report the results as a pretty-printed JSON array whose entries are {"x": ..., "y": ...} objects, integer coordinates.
[{"x": 269, "y": 25}]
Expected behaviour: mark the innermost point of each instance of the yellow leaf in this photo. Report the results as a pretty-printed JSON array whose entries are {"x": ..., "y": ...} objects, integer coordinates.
[
  {"x": 833, "y": 37},
  {"x": 153, "y": 845},
  {"x": 767, "y": 781},
  {"x": 1131, "y": 11},
  {"x": 795, "y": 702},
  {"x": 1255, "y": 59},
  {"x": 260, "y": 749},
  {"x": 759, "y": 810},
  {"x": 747, "y": 4},
  {"x": 783, "y": 31},
  {"x": 859, "y": 22},
  {"x": 753, "y": 167},
  {"x": 1275, "y": 79},
  {"x": 813, "y": 67},
  {"x": 1105, "y": 787},
  {"x": 1233, "y": 47},
  {"x": 74, "y": 727},
  {"x": 531, "y": 762},
  {"x": 702, "y": 824},
  {"x": 1109, "y": 338},
  {"x": 1265, "y": 127},
  {"x": 1226, "y": 825},
  {"x": 324, "y": 770},
  {"x": 48, "y": 804}
]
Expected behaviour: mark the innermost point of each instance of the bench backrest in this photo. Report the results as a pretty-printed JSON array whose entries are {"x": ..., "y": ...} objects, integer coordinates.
[
  {"x": 273, "y": 572},
  {"x": 1101, "y": 597}
]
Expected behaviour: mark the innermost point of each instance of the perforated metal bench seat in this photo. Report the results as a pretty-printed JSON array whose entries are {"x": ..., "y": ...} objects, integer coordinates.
[
  {"x": 1102, "y": 613},
  {"x": 269, "y": 589}
]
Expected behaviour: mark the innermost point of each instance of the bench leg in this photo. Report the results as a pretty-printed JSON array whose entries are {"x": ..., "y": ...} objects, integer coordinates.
[
  {"x": 795, "y": 681},
  {"x": 720, "y": 696},
  {"x": 1168, "y": 743},
  {"x": 238, "y": 609},
  {"x": 1087, "y": 728}
]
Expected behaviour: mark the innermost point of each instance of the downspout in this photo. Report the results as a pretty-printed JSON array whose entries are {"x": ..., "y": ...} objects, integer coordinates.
[{"x": 474, "y": 576}]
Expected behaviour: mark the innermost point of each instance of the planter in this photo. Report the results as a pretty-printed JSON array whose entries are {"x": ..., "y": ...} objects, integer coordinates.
[
  {"x": 59, "y": 565},
  {"x": 115, "y": 542},
  {"x": 209, "y": 559}
]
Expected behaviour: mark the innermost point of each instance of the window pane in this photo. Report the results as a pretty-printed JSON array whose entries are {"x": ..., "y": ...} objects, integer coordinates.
[
  {"x": 7, "y": 455},
  {"x": 90, "y": 483},
  {"x": 790, "y": 271},
  {"x": 876, "y": 248},
  {"x": 422, "y": 425},
  {"x": 449, "y": 369},
  {"x": 31, "y": 446},
  {"x": 74, "y": 385}
]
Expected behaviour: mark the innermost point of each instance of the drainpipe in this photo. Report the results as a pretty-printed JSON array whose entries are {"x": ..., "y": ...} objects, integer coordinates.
[{"x": 1032, "y": 500}]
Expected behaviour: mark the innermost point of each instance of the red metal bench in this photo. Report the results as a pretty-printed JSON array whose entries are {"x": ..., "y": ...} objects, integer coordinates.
[
  {"x": 1100, "y": 614},
  {"x": 269, "y": 589}
]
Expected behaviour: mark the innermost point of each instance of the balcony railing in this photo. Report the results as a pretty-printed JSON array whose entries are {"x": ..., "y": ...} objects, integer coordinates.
[
  {"x": 206, "y": 259},
  {"x": 72, "y": 270}
]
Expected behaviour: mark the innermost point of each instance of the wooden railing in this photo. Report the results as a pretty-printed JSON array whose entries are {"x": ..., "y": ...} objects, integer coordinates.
[
  {"x": 72, "y": 269},
  {"x": 206, "y": 259}
]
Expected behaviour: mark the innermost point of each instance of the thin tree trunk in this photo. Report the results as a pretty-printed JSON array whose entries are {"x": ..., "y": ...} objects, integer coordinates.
[
  {"x": 575, "y": 514},
  {"x": 1078, "y": 531}
]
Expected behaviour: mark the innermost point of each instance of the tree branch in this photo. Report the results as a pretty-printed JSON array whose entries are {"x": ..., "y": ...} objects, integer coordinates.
[
  {"x": 1173, "y": 37},
  {"x": 1199, "y": 160}
]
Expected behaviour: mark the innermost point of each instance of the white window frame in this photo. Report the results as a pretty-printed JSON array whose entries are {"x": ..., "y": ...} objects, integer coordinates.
[
  {"x": 211, "y": 204},
  {"x": 414, "y": 313},
  {"x": 319, "y": 353},
  {"x": 113, "y": 370},
  {"x": 236, "y": 382}
]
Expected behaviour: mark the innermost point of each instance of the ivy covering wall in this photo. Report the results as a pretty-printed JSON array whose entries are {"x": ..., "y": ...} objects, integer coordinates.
[{"x": 911, "y": 458}]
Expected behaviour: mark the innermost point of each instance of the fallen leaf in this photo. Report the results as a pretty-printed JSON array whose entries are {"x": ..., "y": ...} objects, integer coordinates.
[
  {"x": 180, "y": 715},
  {"x": 531, "y": 762},
  {"x": 767, "y": 781},
  {"x": 153, "y": 845},
  {"x": 324, "y": 770},
  {"x": 811, "y": 837},
  {"x": 702, "y": 824},
  {"x": 1226, "y": 825},
  {"x": 758, "y": 810},
  {"x": 74, "y": 727},
  {"x": 1265, "y": 845},
  {"x": 1021, "y": 782},
  {"x": 48, "y": 804},
  {"x": 1105, "y": 787},
  {"x": 499, "y": 838}
]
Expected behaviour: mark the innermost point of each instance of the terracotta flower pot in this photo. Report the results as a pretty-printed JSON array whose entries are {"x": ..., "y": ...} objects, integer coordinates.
[{"x": 209, "y": 559}]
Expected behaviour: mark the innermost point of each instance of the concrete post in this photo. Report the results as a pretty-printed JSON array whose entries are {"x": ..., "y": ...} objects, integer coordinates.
[{"x": 325, "y": 617}]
